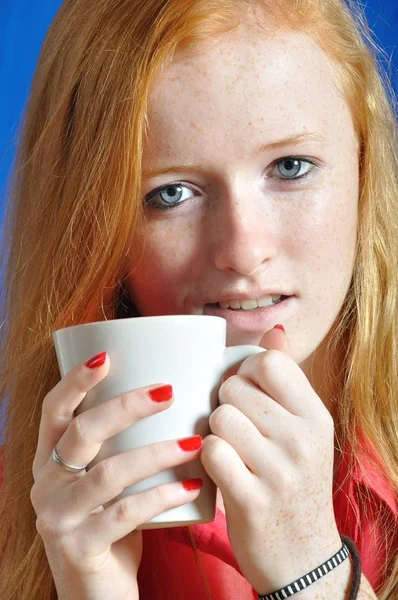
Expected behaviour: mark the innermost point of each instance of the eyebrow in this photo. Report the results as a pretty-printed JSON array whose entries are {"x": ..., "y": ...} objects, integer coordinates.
[{"x": 287, "y": 141}]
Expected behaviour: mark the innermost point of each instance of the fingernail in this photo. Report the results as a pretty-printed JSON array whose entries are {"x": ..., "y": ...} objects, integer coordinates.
[
  {"x": 280, "y": 327},
  {"x": 190, "y": 443},
  {"x": 161, "y": 393},
  {"x": 192, "y": 484},
  {"x": 96, "y": 361}
]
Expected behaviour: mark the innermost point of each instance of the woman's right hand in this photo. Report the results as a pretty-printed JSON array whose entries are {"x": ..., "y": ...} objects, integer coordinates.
[{"x": 94, "y": 553}]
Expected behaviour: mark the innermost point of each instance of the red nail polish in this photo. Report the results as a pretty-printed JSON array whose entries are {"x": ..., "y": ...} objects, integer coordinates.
[
  {"x": 96, "y": 361},
  {"x": 161, "y": 394},
  {"x": 192, "y": 484},
  {"x": 280, "y": 327},
  {"x": 190, "y": 443}
]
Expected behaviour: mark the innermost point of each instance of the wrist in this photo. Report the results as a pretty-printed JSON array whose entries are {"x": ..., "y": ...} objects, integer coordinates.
[
  {"x": 335, "y": 584},
  {"x": 332, "y": 578}
]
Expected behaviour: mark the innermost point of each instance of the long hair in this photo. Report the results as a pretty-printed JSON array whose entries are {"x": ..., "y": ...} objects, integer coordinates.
[{"x": 74, "y": 214}]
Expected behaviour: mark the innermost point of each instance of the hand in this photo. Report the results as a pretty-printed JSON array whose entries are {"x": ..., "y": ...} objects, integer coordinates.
[
  {"x": 94, "y": 553},
  {"x": 271, "y": 455}
]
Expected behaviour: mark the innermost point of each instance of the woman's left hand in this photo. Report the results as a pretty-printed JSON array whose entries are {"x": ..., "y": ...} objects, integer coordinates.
[{"x": 271, "y": 455}]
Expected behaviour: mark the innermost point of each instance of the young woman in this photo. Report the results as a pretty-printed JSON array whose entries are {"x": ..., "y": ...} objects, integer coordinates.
[{"x": 223, "y": 157}]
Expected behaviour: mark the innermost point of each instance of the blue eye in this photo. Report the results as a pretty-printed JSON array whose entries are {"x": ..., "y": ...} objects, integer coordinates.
[
  {"x": 293, "y": 168},
  {"x": 170, "y": 196}
]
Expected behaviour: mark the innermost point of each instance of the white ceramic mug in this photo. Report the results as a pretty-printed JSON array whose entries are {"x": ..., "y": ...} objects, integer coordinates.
[{"x": 186, "y": 351}]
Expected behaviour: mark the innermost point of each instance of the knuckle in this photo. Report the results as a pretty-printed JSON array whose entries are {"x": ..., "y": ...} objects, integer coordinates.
[
  {"x": 268, "y": 360},
  {"x": 48, "y": 402},
  {"x": 47, "y": 527},
  {"x": 152, "y": 502},
  {"x": 160, "y": 497},
  {"x": 299, "y": 449},
  {"x": 35, "y": 470},
  {"x": 156, "y": 500},
  {"x": 126, "y": 404},
  {"x": 157, "y": 454},
  {"x": 35, "y": 496},
  {"x": 80, "y": 428},
  {"x": 305, "y": 453},
  {"x": 125, "y": 509},
  {"x": 103, "y": 474},
  {"x": 284, "y": 480}
]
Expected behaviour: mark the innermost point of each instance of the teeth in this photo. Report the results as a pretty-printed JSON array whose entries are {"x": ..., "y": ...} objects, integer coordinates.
[
  {"x": 236, "y": 304},
  {"x": 227, "y": 304},
  {"x": 267, "y": 300},
  {"x": 248, "y": 304}
]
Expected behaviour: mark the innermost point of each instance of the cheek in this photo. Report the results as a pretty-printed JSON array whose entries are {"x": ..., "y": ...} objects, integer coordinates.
[
  {"x": 171, "y": 247},
  {"x": 157, "y": 277},
  {"x": 323, "y": 226}
]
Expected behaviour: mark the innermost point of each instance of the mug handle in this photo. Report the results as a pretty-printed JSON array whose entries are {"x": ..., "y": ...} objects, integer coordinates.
[{"x": 234, "y": 354}]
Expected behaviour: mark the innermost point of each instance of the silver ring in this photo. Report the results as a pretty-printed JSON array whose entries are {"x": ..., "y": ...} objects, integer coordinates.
[{"x": 71, "y": 468}]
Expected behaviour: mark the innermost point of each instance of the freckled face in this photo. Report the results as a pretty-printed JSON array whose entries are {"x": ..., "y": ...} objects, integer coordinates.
[{"x": 238, "y": 218}]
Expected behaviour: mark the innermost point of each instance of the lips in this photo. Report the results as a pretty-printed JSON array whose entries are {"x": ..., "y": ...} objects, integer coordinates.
[{"x": 256, "y": 320}]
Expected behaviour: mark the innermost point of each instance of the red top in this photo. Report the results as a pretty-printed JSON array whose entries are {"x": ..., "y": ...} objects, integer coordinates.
[{"x": 168, "y": 552}]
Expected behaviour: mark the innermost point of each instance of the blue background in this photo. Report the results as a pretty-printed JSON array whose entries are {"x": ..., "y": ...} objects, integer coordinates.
[{"x": 23, "y": 24}]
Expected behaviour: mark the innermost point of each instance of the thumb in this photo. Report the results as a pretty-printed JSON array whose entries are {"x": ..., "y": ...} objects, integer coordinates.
[{"x": 276, "y": 339}]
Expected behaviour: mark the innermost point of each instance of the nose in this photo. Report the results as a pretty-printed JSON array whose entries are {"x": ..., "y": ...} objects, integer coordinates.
[{"x": 242, "y": 237}]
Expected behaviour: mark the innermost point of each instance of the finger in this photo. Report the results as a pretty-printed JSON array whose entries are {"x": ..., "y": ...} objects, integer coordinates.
[
  {"x": 108, "y": 478},
  {"x": 241, "y": 433},
  {"x": 281, "y": 379},
  {"x": 101, "y": 530},
  {"x": 225, "y": 467},
  {"x": 269, "y": 417},
  {"x": 276, "y": 339},
  {"x": 85, "y": 435},
  {"x": 59, "y": 405}
]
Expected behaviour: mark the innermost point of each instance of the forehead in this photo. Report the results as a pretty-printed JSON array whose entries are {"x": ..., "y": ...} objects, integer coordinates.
[{"x": 241, "y": 91}]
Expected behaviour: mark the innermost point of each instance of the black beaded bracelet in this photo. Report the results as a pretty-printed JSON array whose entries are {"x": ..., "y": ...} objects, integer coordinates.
[{"x": 347, "y": 548}]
